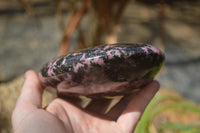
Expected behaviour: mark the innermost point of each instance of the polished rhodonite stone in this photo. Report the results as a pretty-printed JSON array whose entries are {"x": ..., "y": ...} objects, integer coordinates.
[{"x": 106, "y": 70}]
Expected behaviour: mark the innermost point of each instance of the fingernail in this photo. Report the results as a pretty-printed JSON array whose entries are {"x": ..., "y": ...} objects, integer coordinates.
[{"x": 25, "y": 74}]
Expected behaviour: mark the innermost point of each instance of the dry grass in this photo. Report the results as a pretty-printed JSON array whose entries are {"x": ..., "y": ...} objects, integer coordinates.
[{"x": 10, "y": 91}]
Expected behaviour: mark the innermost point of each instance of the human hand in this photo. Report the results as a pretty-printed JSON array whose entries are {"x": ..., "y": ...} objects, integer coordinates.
[{"x": 61, "y": 116}]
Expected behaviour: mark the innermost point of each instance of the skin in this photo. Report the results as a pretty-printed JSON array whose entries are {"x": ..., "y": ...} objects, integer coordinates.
[{"x": 61, "y": 116}]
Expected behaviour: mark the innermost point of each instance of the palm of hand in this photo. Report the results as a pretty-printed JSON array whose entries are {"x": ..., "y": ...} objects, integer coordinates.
[
  {"x": 76, "y": 120},
  {"x": 62, "y": 116}
]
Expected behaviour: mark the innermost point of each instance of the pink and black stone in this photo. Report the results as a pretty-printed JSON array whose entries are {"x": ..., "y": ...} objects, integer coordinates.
[{"x": 106, "y": 70}]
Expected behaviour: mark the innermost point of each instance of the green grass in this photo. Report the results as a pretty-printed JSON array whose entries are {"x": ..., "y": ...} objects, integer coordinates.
[{"x": 156, "y": 107}]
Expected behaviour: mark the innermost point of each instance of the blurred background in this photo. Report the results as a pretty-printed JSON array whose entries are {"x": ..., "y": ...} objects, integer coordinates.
[{"x": 34, "y": 31}]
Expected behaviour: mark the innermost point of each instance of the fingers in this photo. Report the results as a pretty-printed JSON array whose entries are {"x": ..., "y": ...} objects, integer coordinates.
[
  {"x": 31, "y": 93},
  {"x": 131, "y": 115},
  {"x": 116, "y": 110}
]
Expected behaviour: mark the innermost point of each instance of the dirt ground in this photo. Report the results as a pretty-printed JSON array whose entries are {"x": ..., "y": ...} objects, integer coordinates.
[{"x": 26, "y": 45}]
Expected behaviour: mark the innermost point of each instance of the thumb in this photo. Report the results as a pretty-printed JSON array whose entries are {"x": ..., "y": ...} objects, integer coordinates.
[
  {"x": 29, "y": 99},
  {"x": 31, "y": 93}
]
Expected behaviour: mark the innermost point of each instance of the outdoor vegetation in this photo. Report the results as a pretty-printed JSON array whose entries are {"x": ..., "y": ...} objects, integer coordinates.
[{"x": 95, "y": 22}]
